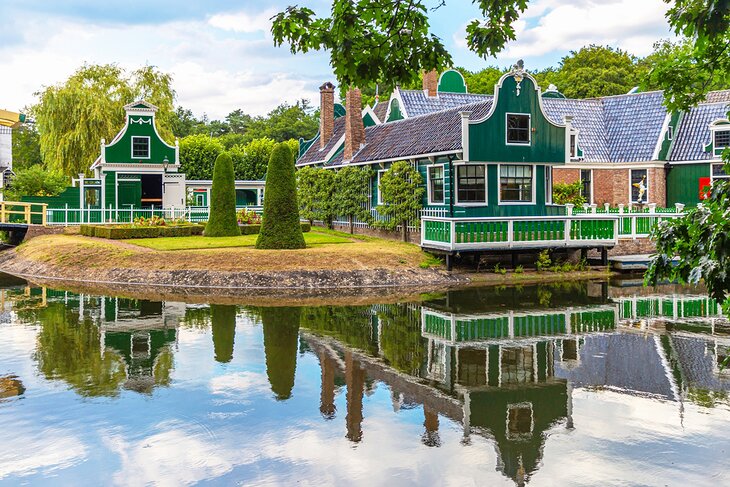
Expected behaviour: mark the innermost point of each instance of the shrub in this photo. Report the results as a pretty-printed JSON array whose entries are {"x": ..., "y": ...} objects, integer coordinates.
[
  {"x": 306, "y": 227},
  {"x": 250, "y": 229},
  {"x": 248, "y": 217},
  {"x": 401, "y": 188},
  {"x": 35, "y": 181},
  {"x": 564, "y": 193},
  {"x": 519, "y": 269},
  {"x": 543, "y": 260},
  {"x": 222, "y": 221},
  {"x": 281, "y": 228},
  {"x": 499, "y": 269},
  {"x": 175, "y": 231},
  {"x": 352, "y": 193},
  {"x": 197, "y": 229},
  {"x": 87, "y": 230}
]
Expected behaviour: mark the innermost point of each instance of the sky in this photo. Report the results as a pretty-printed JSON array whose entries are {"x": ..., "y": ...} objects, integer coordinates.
[{"x": 221, "y": 55}]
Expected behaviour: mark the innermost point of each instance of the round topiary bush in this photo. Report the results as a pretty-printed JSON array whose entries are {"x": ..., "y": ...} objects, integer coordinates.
[
  {"x": 222, "y": 221},
  {"x": 280, "y": 228}
]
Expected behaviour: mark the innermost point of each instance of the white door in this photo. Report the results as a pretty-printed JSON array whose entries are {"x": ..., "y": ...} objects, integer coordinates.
[{"x": 173, "y": 195}]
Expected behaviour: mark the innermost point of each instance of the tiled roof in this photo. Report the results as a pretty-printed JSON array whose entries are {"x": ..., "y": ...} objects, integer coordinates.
[
  {"x": 427, "y": 134},
  {"x": 718, "y": 96},
  {"x": 588, "y": 118},
  {"x": 314, "y": 153},
  {"x": 417, "y": 103},
  {"x": 694, "y": 132},
  {"x": 634, "y": 124},
  {"x": 381, "y": 109}
]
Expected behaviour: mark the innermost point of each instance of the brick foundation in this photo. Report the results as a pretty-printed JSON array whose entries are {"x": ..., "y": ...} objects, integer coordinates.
[{"x": 413, "y": 237}]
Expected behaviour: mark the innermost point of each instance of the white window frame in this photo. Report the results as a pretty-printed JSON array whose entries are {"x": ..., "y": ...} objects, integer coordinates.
[
  {"x": 499, "y": 186},
  {"x": 670, "y": 132},
  {"x": 631, "y": 186},
  {"x": 149, "y": 147},
  {"x": 719, "y": 128},
  {"x": 712, "y": 172},
  {"x": 574, "y": 155},
  {"x": 377, "y": 184},
  {"x": 456, "y": 185},
  {"x": 428, "y": 183},
  {"x": 529, "y": 130},
  {"x": 548, "y": 176},
  {"x": 590, "y": 202}
]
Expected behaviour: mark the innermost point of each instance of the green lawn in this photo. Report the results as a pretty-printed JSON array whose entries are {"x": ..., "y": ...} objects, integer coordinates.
[{"x": 199, "y": 242}]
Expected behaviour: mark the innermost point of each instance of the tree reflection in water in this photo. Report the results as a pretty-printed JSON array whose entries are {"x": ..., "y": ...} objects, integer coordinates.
[
  {"x": 281, "y": 337},
  {"x": 223, "y": 329}
]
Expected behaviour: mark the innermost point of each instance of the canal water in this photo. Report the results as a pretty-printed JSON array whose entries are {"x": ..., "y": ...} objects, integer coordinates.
[{"x": 589, "y": 383}]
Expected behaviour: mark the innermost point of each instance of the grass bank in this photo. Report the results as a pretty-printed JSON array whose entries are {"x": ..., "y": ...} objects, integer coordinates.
[{"x": 199, "y": 242}]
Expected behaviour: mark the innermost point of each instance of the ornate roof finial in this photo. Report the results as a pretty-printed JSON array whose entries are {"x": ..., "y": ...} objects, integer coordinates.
[{"x": 518, "y": 71}]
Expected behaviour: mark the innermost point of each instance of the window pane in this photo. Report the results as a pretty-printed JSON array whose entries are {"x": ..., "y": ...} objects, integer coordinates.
[
  {"x": 436, "y": 181},
  {"x": 518, "y": 129},
  {"x": 470, "y": 184},
  {"x": 585, "y": 179},
  {"x": 140, "y": 147},
  {"x": 718, "y": 171},
  {"x": 639, "y": 186},
  {"x": 722, "y": 139},
  {"x": 515, "y": 183}
]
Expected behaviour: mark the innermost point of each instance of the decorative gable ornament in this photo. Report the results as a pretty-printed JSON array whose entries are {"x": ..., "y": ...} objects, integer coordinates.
[{"x": 518, "y": 71}]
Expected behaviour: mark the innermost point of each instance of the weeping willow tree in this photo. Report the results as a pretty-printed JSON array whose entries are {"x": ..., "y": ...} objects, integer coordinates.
[{"x": 74, "y": 116}]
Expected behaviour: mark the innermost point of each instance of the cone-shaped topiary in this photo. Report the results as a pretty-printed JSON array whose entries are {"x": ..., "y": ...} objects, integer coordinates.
[
  {"x": 222, "y": 221},
  {"x": 280, "y": 228}
]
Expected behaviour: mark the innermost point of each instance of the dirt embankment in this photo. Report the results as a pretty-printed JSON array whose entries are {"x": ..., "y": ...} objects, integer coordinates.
[{"x": 362, "y": 267}]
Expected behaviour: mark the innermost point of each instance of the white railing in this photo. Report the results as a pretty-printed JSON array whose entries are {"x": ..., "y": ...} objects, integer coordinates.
[
  {"x": 633, "y": 222},
  {"x": 74, "y": 216},
  {"x": 525, "y": 232}
]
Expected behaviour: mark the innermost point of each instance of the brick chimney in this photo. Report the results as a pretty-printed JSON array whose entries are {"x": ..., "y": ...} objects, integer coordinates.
[
  {"x": 326, "y": 113},
  {"x": 354, "y": 128},
  {"x": 431, "y": 83}
]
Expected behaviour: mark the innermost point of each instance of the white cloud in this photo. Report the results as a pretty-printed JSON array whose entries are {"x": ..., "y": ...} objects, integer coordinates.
[
  {"x": 30, "y": 453},
  {"x": 244, "y": 21},
  {"x": 240, "y": 384},
  {"x": 557, "y": 26}
]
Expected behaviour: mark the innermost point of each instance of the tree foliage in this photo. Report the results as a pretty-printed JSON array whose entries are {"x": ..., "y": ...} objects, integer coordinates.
[
  {"x": 315, "y": 190},
  {"x": 401, "y": 192},
  {"x": 280, "y": 228},
  {"x": 35, "y": 181},
  {"x": 351, "y": 194},
  {"x": 198, "y": 154},
  {"x": 222, "y": 221},
  {"x": 73, "y": 117},
  {"x": 250, "y": 160},
  {"x": 26, "y": 148}
]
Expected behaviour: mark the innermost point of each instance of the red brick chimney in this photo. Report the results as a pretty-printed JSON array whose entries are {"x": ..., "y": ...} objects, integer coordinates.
[
  {"x": 354, "y": 128},
  {"x": 431, "y": 82},
  {"x": 326, "y": 113}
]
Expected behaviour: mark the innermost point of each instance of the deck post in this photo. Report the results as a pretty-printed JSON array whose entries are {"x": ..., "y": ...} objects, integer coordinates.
[
  {"x": 2, "y": 212},
  {"x": 515, "y": 260},
  {"x": 604, "y": 256},
  {"x": 449, "y": 262}
]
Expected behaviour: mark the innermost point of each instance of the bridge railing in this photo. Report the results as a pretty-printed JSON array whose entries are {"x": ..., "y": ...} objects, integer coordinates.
[
  {"x": 23, "y": 213},
  {"x": 74, "y": 216}
]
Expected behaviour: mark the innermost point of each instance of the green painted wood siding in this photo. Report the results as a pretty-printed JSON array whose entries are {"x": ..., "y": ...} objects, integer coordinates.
[
  {"x": 487, "y": 140},
  {"x": 683, "y": 183},
  {"x": 451, "y": 81},
  {"x": 395, "y": 112},
  {"x": 121, "y": 150},
  {"x": 110, "y": 189}
]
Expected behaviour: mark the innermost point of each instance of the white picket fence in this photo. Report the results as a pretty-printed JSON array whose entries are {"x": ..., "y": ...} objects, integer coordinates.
[{"x": 74, "y": 216}]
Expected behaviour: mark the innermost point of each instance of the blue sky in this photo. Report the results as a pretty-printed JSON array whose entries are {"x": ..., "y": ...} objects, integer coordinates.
[{"x": 222, "y": 58}]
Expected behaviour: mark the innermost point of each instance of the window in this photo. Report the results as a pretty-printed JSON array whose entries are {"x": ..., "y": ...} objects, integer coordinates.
[
  {"x": 518, "y": 129},
  {"x": 639, "y": 186},
  {"x": 670, "y": 132},
  {"x": 573, "y": 146},
  {"x": 718, "y": 172},
  {"x": 722, "y": 139},
  {"x": 140, "y": 147},
  {"x": 548, "y": 185},
  {"x": 586, "y": 185},
  {"x": 378, "y": 195},
  {"x": 200, "y": 199},
  {"x": 435, "y": 184},
  {"x": 515, "y": 184},
  {"x": 471, "y": 184},
  {"x": 92, "y": 197}
]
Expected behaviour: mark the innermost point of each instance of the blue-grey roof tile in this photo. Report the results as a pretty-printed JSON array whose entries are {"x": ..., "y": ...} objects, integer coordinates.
[
  {"x": 417, "y": 103},
  {"x": 634, "y": 124},
  {"x": 588, "y": 118},
  {"x": 693, "y": 133}
]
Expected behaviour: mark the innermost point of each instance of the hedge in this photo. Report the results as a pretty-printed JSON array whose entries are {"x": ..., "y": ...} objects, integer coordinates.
[
  {"x": 281, "y": 227},
  {"x": 222, "y": 221},
  {"x": 125, "y": 232},
  {"x": 253, "y": 229}
]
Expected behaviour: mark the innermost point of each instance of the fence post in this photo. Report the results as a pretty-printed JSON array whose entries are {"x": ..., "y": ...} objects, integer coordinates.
[
  {"x": 26, "y": 214},
  {"x": 593, "y": 208},
  {"x": 44, "y": 214},
  {"x": 652, "y": 207},
  {"x": 607, "y": 206},
  {"x": 2, "y": 212},
  {"x": 679, "y": 207},
  {"x": 452, "y": 229},
  {"x": 569, "y": 209}
]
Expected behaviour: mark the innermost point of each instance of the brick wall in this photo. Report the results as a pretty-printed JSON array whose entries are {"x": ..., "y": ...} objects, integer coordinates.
[
  {"x": 431, "y": 82},
  {"x": 565, "y": 176},
  {"x": 611, "y": 186},
  {"x": 354, "y": 127},
  {"x": 657, "y": 186},
  {"x": 326, "y": 113}
]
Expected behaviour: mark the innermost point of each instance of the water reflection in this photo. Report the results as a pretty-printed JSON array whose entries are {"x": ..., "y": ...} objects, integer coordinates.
[{"x": 503, "y": 364}]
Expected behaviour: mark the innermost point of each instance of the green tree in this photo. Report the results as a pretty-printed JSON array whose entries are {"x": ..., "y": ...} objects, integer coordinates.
[
  {"x": 284, "y": 122},
  {"x": 280, "y": 228},
  {"x": 26, "y": 148},
  {"x": 250, "y": 160},
  {"x": 401, "y": 190},
  {"x": 281, "y": 332},
  {"x": 595, "y": 71},
  {"x": 36, "y": 181},
  {"x": 222, "y": 221},
  {"x": 73, "y": 117},
  {"x": 351, "y": 195},
  {"x": 198, "y": 154},
  {"x": 315, "y": 192},
  {"x": 223, "y": 328},
  {"x": 482, "y": 81}
]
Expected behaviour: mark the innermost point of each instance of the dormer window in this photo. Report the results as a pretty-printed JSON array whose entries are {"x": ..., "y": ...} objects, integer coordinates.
[
  {"x": 722, "y": 139},
  {"x": 140, "y": 147},
  {"x": 518, "y": 128}
]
